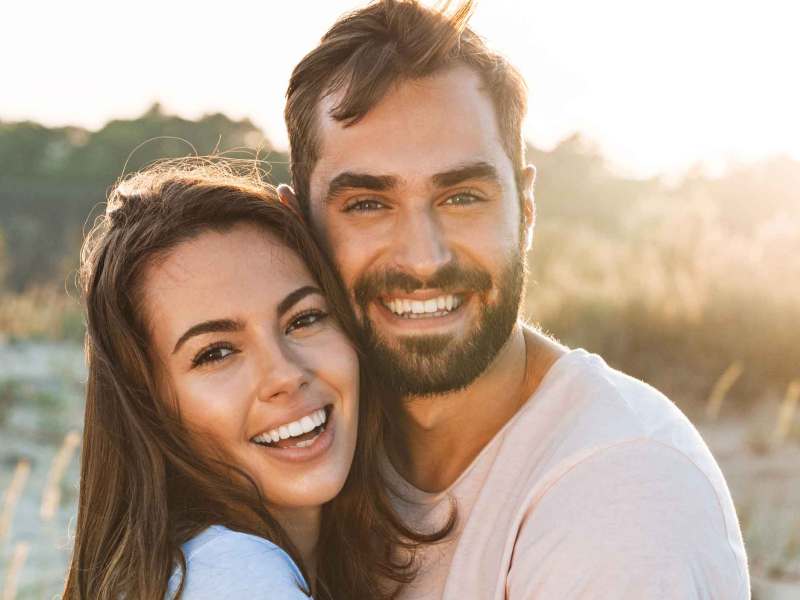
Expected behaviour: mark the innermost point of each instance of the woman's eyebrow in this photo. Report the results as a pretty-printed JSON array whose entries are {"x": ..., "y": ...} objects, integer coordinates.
[
  {"x": 294, "y": 297},
  {"x": 218, "y": 325},
  {"x": 208, "y": 327}
]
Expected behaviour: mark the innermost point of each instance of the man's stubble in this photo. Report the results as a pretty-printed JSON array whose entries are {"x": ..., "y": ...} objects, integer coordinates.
[{"x": 427, "y": 365}]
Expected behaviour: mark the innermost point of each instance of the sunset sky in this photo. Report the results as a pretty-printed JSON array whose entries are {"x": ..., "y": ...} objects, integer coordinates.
[{"x": 658, "y": 86}]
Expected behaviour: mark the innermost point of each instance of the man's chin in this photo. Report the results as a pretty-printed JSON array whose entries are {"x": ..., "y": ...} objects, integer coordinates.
[{"x": 430, "y": 365}]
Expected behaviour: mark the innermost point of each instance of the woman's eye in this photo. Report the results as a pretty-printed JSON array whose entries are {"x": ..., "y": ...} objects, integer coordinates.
[
  {"x": 306, "y": 319},
  {"x": 366, "y": 205},
  {"x": 212, "y": 355},
  {"x": 462, "y": 199}
]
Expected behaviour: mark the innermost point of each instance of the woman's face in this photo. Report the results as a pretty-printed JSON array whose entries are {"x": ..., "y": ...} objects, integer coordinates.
[{"x": 258, "y": 367}]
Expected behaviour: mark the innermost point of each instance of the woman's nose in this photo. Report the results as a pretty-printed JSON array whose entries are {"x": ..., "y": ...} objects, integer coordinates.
[{"x": 281, "y": 374}]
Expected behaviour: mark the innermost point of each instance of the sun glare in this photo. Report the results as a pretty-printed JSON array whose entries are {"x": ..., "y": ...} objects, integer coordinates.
[{"x": 658, "y": 86}]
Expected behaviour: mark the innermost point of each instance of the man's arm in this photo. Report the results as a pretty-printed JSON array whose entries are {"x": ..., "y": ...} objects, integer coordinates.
[{"x": 637, "y": 521}]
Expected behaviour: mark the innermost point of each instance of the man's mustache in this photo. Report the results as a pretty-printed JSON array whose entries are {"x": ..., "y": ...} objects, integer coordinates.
[{"x": 451, "y": 278}]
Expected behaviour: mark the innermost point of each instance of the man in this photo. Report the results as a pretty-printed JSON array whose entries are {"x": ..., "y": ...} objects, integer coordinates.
[{"x": 571, "y": 480}]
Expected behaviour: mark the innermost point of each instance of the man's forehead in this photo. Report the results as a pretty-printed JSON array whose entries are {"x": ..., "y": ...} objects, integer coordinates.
[{"x": 420, "y": 128}]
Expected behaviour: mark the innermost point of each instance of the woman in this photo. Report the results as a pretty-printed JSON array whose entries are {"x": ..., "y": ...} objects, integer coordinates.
[{"x": 230, "y": 445}]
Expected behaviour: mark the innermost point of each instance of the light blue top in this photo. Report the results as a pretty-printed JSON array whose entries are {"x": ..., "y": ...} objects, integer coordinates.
[{"x": 222, "y": 564}]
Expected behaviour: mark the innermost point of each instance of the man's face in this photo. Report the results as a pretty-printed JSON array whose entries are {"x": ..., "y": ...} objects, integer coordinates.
[{"x": 418, "y": 205}]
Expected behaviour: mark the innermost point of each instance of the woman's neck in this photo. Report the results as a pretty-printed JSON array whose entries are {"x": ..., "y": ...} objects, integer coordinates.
[{"x": 302, "y": 527}]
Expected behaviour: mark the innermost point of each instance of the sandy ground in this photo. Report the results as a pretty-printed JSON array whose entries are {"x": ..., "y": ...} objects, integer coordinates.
[{"x": 44, "y": 403}]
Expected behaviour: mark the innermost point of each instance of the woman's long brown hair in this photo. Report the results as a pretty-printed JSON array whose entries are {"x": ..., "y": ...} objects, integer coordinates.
[{"x": 144, "y": 488}]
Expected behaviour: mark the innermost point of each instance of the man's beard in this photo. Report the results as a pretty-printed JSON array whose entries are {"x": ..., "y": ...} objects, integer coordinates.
[{"x": 426, "y": 365}]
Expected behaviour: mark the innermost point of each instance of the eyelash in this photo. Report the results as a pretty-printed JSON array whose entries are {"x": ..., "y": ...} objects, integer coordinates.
[
  {"x": 359, "y": 205},
  {"x": 318, "y": 315},
  {"x": 205, "y": 357},
  {"x": 474, "y": 199}
]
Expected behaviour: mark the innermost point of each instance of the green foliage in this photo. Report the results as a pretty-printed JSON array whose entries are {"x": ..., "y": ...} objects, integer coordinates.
[
  {"x": 9, "y": 392},
  {"x": 4, "y": 261},
  {"x": 51, "y": 179}
]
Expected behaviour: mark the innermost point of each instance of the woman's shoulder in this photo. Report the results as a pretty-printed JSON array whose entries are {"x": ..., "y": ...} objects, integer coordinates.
[{"x": 222, "y": 563}]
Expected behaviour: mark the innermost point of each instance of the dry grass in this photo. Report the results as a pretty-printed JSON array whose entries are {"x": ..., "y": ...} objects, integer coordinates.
[
  {"x": 12, "y": 496},
  {"x": 721, "y": 388},
  {"x": 51, "y": 495},
  {"x": 788, "y": 410},
  {"x": 676, "y": 295},
  {"x": 40, "y": 313},
  {"x": 15, "y": 566}
]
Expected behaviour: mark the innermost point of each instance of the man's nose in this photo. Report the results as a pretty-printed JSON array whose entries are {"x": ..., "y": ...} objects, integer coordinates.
[
  {"x": 281, "y": 374},
  {"x": 421, "y": 247}
]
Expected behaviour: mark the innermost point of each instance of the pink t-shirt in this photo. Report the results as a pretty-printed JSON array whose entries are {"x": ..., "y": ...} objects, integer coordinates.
[{"x": 598, "y": 488}]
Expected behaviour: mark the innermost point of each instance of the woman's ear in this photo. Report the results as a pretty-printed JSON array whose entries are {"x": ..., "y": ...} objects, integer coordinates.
[{"x": 287, "y": 196}]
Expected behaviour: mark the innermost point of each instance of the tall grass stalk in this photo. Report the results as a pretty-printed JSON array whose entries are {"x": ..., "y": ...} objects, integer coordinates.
[
  {"x": 721, "y": 388},
  {"x": 787, "y": 411},
  {"x": 15, "y": 567},
  {"x": 51, "y": 496},
  {"x": 12, "y": 496}
]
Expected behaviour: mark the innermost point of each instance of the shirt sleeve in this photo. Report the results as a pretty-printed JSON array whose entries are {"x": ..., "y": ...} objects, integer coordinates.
[
  {"x": 636, "y": 520},
  {"x": 236, "y": 565}
]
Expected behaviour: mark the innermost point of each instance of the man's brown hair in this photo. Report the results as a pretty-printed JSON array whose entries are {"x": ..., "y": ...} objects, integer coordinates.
[{"x": 387, "y": 42}]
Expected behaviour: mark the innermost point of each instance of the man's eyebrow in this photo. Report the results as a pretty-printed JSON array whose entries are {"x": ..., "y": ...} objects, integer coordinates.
[
  {"x": 294, "y": 297},
  {"x": 477, "y": 170},
  {"x": 208, "y": 327},
  {"x": 349, "y": 180}
]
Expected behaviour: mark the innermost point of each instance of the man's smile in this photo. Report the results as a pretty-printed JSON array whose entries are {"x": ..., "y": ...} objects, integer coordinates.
[{"x": 414, "y": 308}]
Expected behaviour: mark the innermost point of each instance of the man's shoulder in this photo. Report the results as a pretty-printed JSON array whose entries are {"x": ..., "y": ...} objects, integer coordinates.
[
  {"x": 583, "y": 407},
  {"x": 584, "y": 402},
  {"x": 600, "y": 464}
]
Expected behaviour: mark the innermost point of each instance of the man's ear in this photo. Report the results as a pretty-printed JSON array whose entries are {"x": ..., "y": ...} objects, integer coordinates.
[
  {"x": 528, "y": 203},
  {"x": 287, "y": 196}
]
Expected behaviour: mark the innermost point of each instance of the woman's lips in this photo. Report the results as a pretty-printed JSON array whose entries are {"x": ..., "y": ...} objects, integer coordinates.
[{"x": 306, "y": 451}]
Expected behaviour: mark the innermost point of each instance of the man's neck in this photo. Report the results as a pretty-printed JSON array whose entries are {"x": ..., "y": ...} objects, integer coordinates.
[{"x": 438, "y": 437}]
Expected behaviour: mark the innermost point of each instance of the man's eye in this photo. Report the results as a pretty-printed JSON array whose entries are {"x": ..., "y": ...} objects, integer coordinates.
[
  {"x": 462, "y": 199},
  {"x": 366, "y": 205},
  {"x": 212, "y": 354},
  {"x": 306, "y": 319}
]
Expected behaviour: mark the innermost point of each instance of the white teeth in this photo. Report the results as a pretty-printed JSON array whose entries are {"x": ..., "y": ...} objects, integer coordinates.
[
  {"x": 306, "y": 443},
  {"x": 440, "y": 304},
  {"x": 295, "y": 428}
]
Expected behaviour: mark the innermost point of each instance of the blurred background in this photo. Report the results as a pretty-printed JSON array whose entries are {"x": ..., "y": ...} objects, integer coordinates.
[{"x": 667, "y": 142}]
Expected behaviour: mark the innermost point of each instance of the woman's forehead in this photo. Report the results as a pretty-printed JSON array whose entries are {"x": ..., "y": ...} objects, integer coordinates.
[{"x": 232, "y": 274}]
